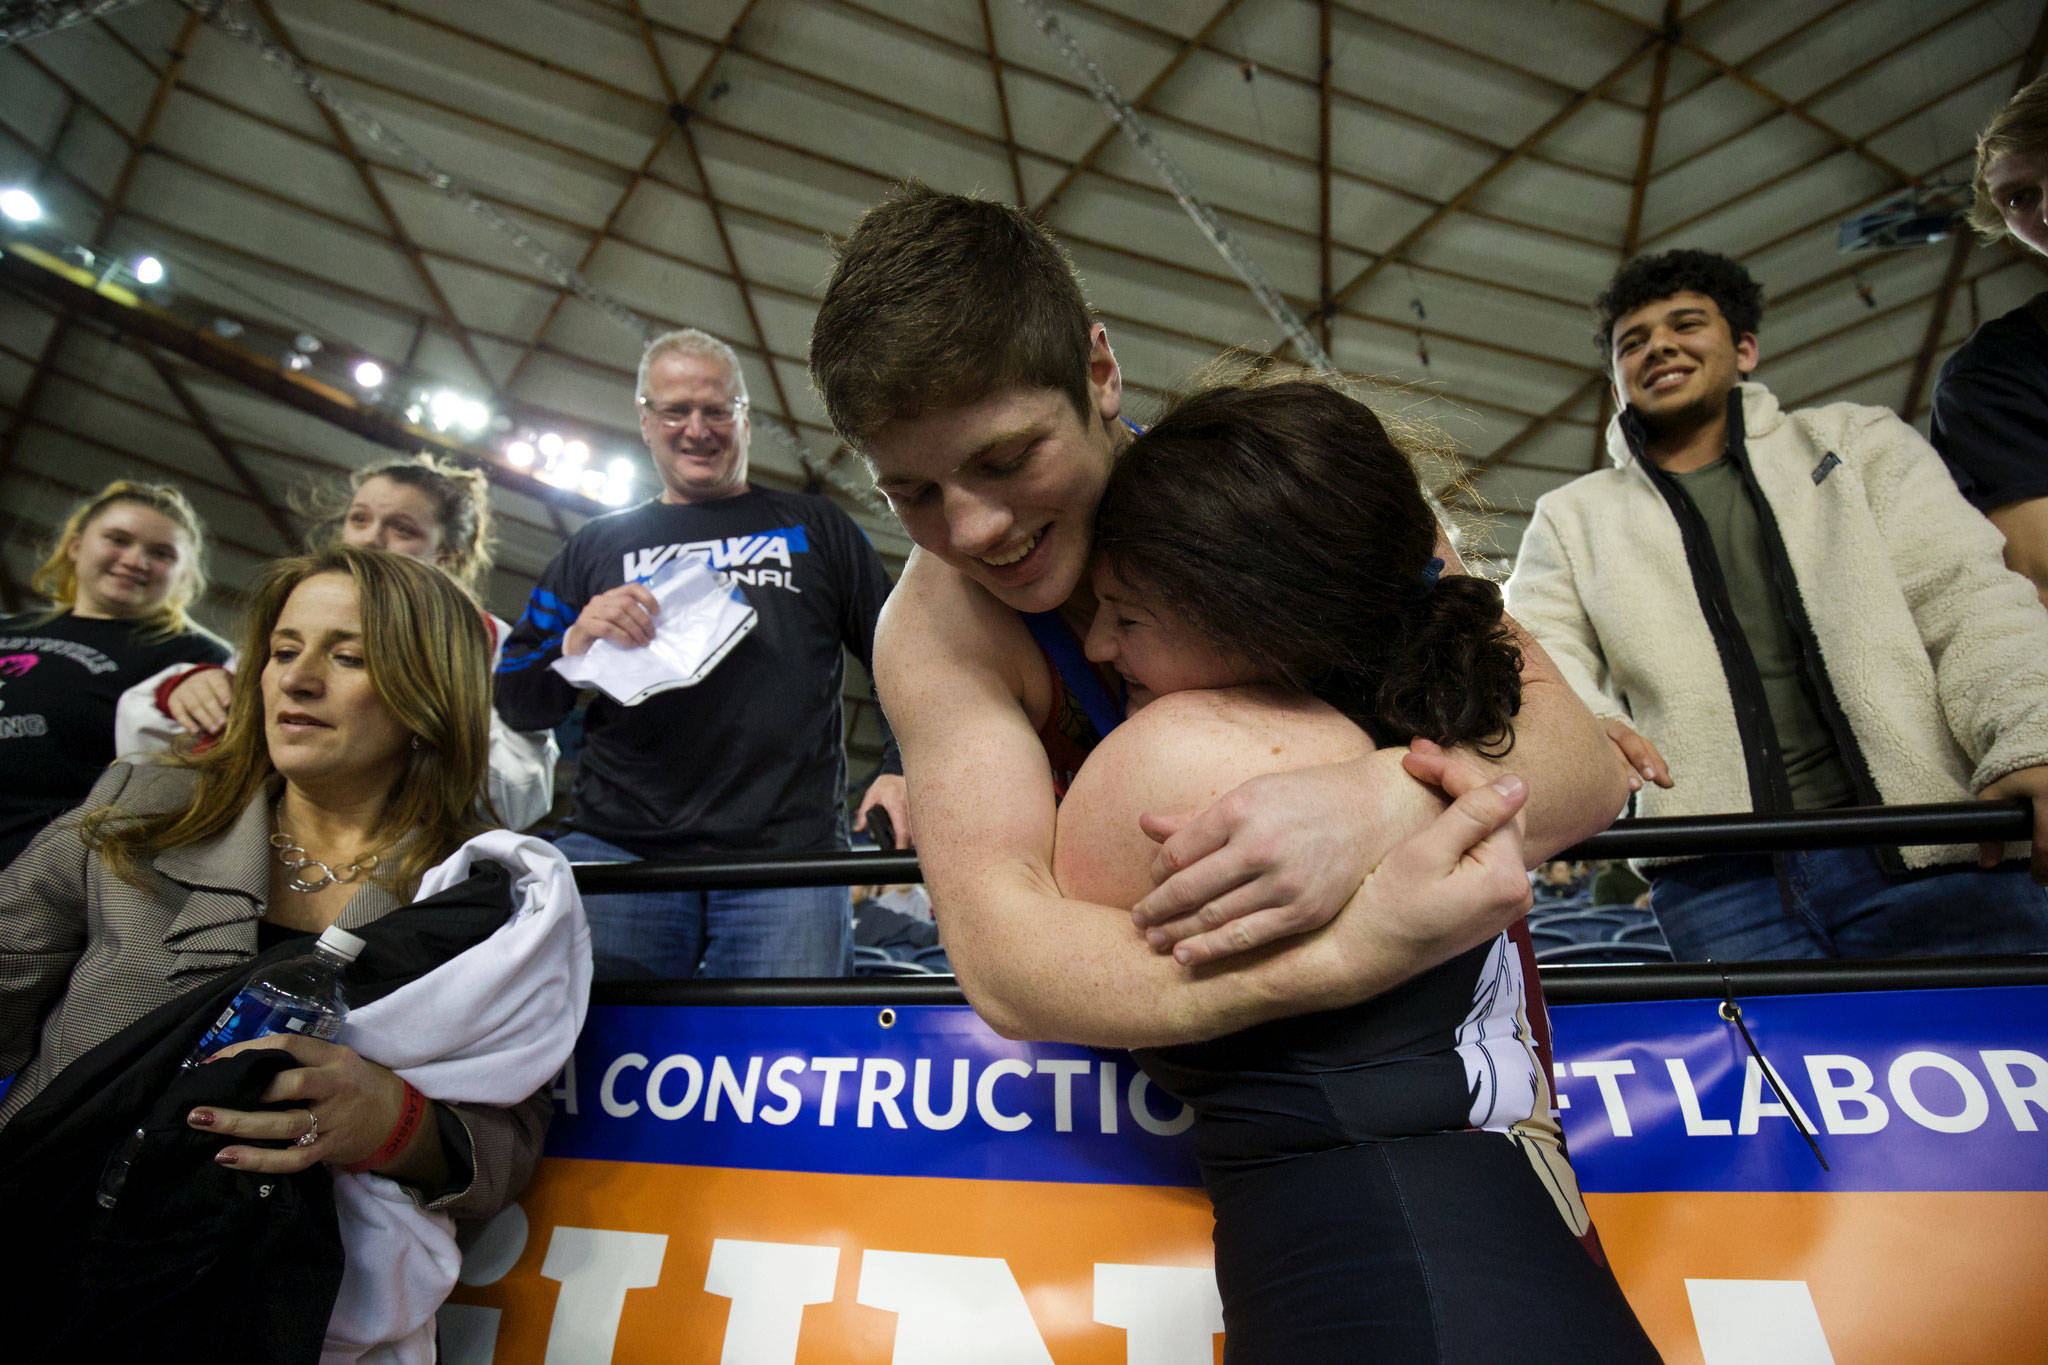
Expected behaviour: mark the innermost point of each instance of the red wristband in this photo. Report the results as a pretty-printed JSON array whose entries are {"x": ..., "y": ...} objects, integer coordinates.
[
  {"x": 410, "y": 1116},
  {"x": 174, "y": 682}
]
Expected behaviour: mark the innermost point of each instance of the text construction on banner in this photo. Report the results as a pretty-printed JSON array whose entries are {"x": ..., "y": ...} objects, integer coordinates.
[{"x": 811, "y": 1184}]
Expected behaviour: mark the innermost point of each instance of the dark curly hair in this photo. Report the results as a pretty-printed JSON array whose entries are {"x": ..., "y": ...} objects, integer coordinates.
[
  {"x": 1282, "y": 522},
  {"x": 1647, "y": 279}
]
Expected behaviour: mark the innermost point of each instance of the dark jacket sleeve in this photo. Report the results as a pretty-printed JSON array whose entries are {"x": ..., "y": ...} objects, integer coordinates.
[
  {"x": 199, "y": 646},
  {"x": 500, "y": 1147},
  {"x": 867, "y": 588},
  {"x": 530, "y": 694}
]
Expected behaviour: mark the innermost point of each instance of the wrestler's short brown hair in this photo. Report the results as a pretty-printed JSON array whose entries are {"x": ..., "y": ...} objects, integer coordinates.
[
  {"x": 939, "y": 300},
  {"x": 2020, "y": 126}
]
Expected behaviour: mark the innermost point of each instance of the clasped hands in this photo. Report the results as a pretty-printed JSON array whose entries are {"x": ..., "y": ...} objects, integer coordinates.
[{"x": 1281, "y": 854}]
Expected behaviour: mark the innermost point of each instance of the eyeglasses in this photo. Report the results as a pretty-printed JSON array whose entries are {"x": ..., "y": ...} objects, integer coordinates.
[{"x": 718, "y": 416}]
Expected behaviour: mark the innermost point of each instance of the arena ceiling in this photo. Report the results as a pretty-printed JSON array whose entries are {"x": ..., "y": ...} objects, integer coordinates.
[{"x": 1438, "y": 186}]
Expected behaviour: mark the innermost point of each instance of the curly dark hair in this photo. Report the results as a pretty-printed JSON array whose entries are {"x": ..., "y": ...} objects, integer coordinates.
[
  {"x": 1282, "y": 523},
  {"x": 1647, "y": 279}
]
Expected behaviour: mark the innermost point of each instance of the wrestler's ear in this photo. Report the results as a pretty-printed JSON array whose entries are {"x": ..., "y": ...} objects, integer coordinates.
[{"x": 1105, "y": 380}]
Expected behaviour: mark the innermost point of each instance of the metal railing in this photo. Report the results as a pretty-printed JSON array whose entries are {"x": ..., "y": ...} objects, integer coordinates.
[
  {"x": 1664, "y": 837},
  {"x": 1677, "y": 836}
]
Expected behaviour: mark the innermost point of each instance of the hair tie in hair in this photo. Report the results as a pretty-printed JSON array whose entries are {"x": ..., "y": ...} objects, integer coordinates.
[{"x": 1430, "y": 573}]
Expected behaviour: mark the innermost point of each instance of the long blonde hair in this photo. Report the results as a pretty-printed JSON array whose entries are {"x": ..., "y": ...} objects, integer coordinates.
[
  {"x": 428, "y": 659},
  {"x": 57, "y": 577}
]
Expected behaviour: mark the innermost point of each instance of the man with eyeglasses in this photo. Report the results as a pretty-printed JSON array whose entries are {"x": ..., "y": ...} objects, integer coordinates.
[{"x": 749, "y": 760}]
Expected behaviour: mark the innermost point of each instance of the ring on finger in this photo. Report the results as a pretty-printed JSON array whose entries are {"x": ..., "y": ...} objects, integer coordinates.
[{"x": 312, "y": 1133}]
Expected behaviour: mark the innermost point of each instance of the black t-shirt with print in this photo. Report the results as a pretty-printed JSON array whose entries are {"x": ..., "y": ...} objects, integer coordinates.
[
  {"x": 59, "y": 680},
  {"x": 751, "y": 759}
]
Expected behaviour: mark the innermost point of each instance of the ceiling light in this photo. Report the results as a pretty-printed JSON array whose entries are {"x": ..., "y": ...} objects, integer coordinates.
[
  {"x": 575, "y": 452},
  {"x": 451, "y": 409},
  {"x": 550, "y": 444},
  {"x": 617, "y": 493},
  {"x": 369, "y": 374},
  {"x": 520, "y": 453},
  {"x": 621, "y": 470},
  {"x": 149, "y": 270},
  {"x": 592, "y": 483},
  {"x": 306, "y": 342},
  {"x": 296, "y": 361},
  {"x": 20, "y": 205}
]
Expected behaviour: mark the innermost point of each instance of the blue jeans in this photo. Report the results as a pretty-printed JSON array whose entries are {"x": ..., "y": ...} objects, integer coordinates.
[
  {"x": 677, "y": 935},
  {"x": 1729, "y": 908}
]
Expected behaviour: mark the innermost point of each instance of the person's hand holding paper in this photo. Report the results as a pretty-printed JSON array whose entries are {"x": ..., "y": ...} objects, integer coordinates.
[{"x": 699, "y": 617}]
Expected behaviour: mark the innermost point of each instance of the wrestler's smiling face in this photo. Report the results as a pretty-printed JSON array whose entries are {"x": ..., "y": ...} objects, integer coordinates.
[
  {"x": 1004, "y": 488},
  {"x": 1153, "y": 647}
]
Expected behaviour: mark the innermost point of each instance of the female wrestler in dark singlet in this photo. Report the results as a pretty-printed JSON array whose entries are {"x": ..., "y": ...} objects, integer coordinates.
[{"x": 1389, "y": 1181}]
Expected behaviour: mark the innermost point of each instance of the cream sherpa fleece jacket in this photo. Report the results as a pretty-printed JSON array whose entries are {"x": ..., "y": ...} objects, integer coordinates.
[{"x": 1936, "y": 653}]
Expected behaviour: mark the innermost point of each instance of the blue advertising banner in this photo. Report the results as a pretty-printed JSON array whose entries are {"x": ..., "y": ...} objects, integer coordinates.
[
  {"x": 1919, "y": 1090},
  {"x": 1903, "y": 1090},
  {"x": 932, "y": 1092},
  {"x": 888, "y": 1186}
]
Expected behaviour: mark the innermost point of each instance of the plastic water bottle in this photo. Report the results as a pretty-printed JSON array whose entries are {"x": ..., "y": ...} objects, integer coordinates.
[{"x": 300, "y": 995}]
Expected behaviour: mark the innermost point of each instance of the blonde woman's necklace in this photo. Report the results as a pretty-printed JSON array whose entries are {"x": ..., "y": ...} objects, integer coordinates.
[{"x": 296, "y": 861}]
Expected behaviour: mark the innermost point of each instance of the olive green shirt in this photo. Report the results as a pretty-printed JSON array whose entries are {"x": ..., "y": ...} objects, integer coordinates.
[{"x": 1812, "y": 764}]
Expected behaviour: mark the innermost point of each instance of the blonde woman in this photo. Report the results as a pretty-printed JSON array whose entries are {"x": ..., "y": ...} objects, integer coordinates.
[
  {"x": 426, "y": 509},
  {"x": 125, "y": 568},
  {"x": 348, "y": 772}
]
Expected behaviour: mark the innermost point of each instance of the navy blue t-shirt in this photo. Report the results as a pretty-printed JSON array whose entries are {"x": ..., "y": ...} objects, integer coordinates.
[
  {"x": 1990, "y": 419},
  {"x": 751, "y": 759}
]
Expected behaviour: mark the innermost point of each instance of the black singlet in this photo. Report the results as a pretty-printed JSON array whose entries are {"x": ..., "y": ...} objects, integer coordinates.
[{"x": 1389, "y": 1180}]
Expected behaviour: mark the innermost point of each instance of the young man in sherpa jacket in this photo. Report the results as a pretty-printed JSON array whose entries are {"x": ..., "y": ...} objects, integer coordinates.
[{"x": 1799, "y": 611}]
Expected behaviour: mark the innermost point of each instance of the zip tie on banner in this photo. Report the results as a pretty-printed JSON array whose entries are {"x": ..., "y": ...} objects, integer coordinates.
[
  {"x": 565, "y": 276},
  {"x": 1183, "y": 189},
  {"x": 1732, "y": 1012}
]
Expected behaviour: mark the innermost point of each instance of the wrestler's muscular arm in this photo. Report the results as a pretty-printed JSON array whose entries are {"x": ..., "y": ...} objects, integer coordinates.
[{"x": 1040, "y": 965}]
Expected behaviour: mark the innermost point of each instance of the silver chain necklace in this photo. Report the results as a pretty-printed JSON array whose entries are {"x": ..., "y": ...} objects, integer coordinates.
[{"x": 296, "y": 862}]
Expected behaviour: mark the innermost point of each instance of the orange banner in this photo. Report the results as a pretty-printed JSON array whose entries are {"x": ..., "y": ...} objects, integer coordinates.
[
  {"x": 637, "y": 1262},
  {"x": 1905, "y": 1279},
  {"x": 674, "y": 1263}
]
